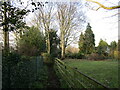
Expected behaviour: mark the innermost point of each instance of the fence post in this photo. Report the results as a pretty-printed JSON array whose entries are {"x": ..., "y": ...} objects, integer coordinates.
[{"x": 0, "y": 66}]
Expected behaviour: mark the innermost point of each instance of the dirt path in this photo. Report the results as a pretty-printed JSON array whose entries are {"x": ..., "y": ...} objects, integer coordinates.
[{"x": 53, "y": 81}]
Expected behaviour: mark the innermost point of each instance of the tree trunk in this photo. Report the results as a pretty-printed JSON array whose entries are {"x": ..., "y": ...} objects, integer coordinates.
[
  {"x": 6, "y": 40},
  {"x": 63, "y": 51},
  {"x": 48, "y": 44},
  {"x": 6, "y": 32},
  {"x": 62, "y": 46}
]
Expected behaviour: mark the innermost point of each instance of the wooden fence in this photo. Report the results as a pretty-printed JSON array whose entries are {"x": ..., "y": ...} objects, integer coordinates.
[{"x": 74, "y": 78}]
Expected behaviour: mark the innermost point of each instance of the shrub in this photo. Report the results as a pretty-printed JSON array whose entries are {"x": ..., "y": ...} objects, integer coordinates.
[
  {"x": 80, "y": 56},
  {"x": 95, "y": 56},
  {"x": 48, "y": 59},
  {"x": 74, "y": 55},
  {"x": 11, "y": 57},
  {"x": 9, "y": 60}
]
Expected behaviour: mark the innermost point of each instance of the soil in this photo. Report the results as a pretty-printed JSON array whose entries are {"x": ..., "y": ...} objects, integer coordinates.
[{"x": 53, "y": 81}]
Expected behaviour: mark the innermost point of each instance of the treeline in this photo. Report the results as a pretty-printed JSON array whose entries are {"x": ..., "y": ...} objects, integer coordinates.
[
  {"x": 31, "y": 41},
  {"x": 88, "y": 50},
  {"x": 49, "y": 18}
]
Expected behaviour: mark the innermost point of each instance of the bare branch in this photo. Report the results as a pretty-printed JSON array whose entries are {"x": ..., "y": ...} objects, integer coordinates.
[{"x": 102, "y": 6}]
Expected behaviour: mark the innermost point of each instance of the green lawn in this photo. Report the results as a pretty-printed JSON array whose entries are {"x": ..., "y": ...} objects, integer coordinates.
[{"x": 105, "y": 72}]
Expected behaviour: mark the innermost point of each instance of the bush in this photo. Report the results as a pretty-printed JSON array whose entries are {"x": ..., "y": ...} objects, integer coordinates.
[
  {"x": 80, "y": 56},
  {"x": 48, "y": 59},
  {"x": 9, "y": 60},
  {"x": 11, "y": 57},
  {"x": 95, "y": 56},
  {"x": 74, "y": 55},
  {"x": 68, "y": 55}
]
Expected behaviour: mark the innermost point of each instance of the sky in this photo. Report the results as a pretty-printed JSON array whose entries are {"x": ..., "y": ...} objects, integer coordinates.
[
  {"x": 104, "y": 27},
  {"x": 104, "y": 23}
]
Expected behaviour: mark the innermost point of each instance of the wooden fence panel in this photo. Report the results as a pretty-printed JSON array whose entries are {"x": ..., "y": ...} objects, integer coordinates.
[{"x": 75, "y": 78}]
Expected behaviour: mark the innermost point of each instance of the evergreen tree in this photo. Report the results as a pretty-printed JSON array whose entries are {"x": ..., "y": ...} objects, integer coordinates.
[
  {"x": 89, "y": 41},
  {"x": 102, "y": 47},
  {"x": 54, "y": 42},
  {"x": 81, "y": 44},
  {"x": 12, "y": 20}
]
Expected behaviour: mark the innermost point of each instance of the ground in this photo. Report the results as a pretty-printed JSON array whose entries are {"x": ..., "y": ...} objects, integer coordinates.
[
  {"x": 53, "y": 81},
  {"x": 105, "y": 71}
]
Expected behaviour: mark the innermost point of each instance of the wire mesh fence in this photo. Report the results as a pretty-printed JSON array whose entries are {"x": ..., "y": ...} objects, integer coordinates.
[{"x": 22, "y": 74}]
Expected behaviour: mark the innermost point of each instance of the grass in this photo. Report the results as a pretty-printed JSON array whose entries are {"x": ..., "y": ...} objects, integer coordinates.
[{"x": 105, "y": 72}]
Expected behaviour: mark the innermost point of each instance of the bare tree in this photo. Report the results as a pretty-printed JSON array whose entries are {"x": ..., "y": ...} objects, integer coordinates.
[
  {"x": 43, "y": 19},
  {"x": 68, "y": 20}
]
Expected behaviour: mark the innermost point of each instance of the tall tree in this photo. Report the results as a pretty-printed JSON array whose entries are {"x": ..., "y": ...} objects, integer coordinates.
[
  {"x": 89, "y": 40},
  {"x": 68, "y": 19},
  {"x": 81, "y": 44},
  {"x": 12, "y": 20},
  {"x": 44, "y": 18}
]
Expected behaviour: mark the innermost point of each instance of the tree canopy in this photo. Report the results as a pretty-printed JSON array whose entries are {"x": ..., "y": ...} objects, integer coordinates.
[
  {"x": 102, "y": 47},
  {"x": 12, "y": 20},
  {"x": 113, "y": 45},
  {"x": 87, "y": 41},
  {"x": 32, "y": 42}
]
